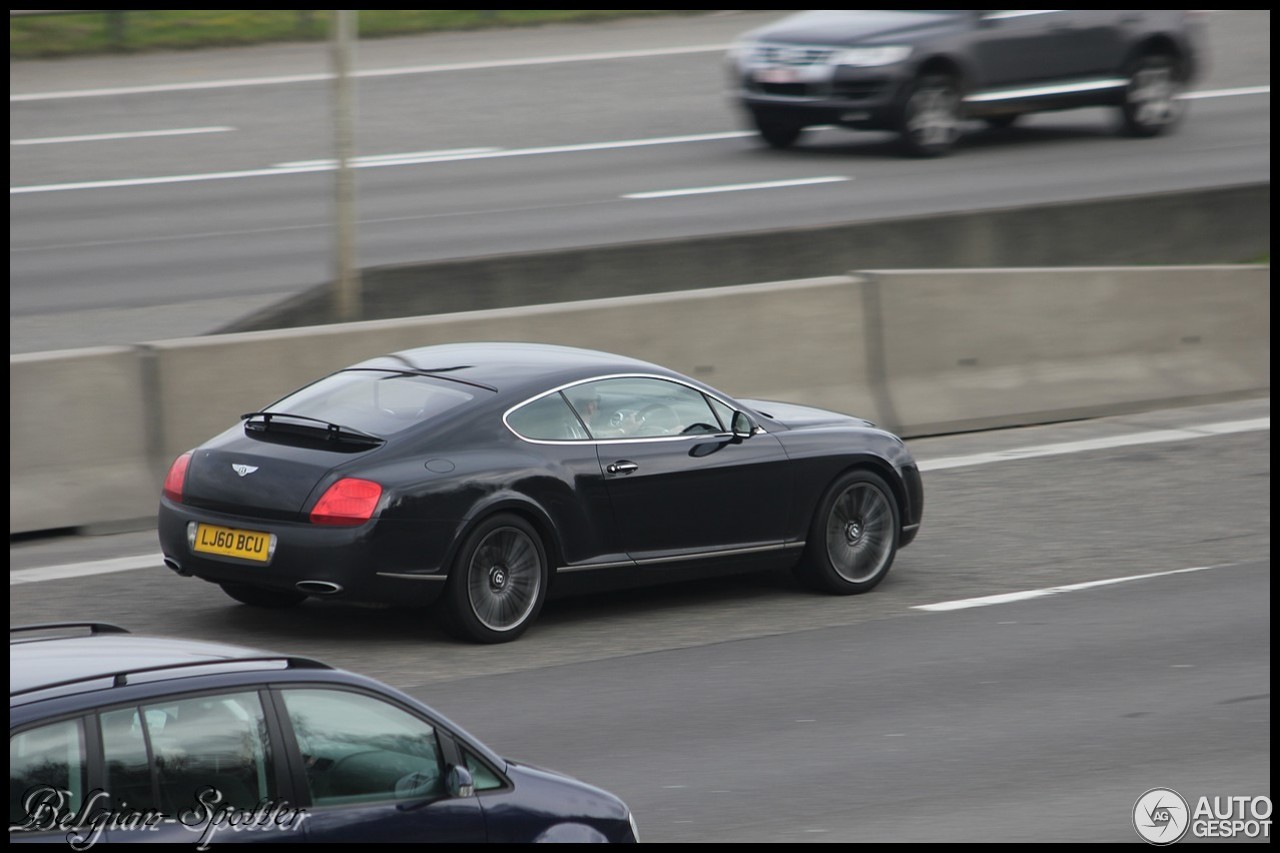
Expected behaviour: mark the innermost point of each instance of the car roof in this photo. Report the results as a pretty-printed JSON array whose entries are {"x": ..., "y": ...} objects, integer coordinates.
[
  {"x": 44, "y": 661},
  {"x": 512, "y": 368}
]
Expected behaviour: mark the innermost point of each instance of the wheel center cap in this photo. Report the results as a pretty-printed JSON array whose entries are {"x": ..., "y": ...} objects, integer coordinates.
[
  {"x": 853, "y": 531},
  {"x": 497, "y": 577}
]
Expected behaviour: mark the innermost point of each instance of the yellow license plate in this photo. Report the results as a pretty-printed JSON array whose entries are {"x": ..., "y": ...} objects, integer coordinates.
[{"x": 229, "y": 542}]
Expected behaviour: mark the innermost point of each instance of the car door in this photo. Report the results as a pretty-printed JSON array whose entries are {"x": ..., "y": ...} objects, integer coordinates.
[
  {"x": 1018, "y": 47},
  {"x": 208, "y": 763},
  {"x": 373, "y": 770},
  {"x": 681, "y": 485}
]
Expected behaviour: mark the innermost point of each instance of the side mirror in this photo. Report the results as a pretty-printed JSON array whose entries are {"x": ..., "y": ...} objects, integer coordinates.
[
  {"x": 743, "y": 427},
  {"x": 459, "y": 782}
]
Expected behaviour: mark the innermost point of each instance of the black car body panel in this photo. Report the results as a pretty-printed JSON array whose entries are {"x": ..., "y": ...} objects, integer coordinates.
[
  {"x": 671, "y": 488},
  {"x": 860, "y": 68}
]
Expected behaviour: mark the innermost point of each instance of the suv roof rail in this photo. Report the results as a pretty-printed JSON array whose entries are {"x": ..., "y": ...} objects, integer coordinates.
[
  {"x": 121, "y": 678},
  {"x": 94, "y": 628}
]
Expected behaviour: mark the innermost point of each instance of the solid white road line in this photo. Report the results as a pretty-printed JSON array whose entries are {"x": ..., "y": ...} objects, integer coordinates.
[
  {"x": 384, "y": 160},
  {"x": 308, "y": 166},
  {"x": 1005, "y": 598},
  {"x": 1066, "y": 447},
  {"x": 123, "y": 564},
  {"x": 369, "y": 73},
  {"x": 137, "y": 134},
  {"x": 1227, "y": 93},
  {"x": 733, "y": 188},
  {"x": 80, "y": 570}
]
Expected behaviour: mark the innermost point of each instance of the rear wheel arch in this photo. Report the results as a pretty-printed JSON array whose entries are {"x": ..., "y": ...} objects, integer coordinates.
[
  {"x": 1157, "y": 45},
  {"x": 499, "y": 574},
  {"x": 528, "y": 511}
]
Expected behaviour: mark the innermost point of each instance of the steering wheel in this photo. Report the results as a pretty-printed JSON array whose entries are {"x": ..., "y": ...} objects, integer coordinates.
[{"x": 657, "y": 419}]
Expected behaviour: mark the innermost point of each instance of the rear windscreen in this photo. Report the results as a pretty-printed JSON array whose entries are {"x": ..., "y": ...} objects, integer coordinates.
[{"x": 375, "y": 401}]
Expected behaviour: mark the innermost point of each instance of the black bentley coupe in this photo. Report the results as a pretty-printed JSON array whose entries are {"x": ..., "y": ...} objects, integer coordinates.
[{"x": 477, "y": 476}]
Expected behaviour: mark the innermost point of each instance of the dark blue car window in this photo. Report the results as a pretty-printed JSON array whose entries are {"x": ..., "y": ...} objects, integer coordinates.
[
  {"x": 189, "y": 745},
  {"x": 47, "y": 770},
  {"x": 358, "y": 749}
]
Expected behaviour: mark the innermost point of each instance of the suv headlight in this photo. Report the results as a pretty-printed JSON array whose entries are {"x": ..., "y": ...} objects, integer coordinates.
[{"x": 869, "y": 56}]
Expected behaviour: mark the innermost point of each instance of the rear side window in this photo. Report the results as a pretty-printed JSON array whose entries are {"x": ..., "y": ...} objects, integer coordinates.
[
  {"x": 547, "y": 419},
  {"x": 375, "y": 401},
  {"x": 47, "y": 773},
  {"x": 163, "y": 756}
]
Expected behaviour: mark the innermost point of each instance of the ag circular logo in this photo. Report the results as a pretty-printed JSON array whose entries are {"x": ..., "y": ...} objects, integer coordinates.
[{"x": 1161, "y": 816}]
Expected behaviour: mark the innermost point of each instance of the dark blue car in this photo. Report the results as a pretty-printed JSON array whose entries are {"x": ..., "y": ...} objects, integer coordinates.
[{"x": 121, "y": 738}]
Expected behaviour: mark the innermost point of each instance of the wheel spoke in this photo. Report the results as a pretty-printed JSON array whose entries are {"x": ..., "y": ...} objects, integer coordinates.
[
  {"x": 859, "y": 532},
  {"x": 504, "y": 579}
]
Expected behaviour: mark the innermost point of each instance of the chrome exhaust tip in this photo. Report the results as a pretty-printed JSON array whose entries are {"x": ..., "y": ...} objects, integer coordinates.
[
  {"x": 173, "y": 564},
  {"x": 318, "y": 587}
]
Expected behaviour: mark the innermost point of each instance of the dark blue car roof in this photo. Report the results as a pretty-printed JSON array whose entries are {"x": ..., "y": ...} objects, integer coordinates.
[{"x": 41, "y": 663}]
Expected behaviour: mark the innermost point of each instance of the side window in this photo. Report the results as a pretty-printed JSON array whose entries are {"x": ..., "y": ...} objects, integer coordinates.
[
  {"x": 485, "y": 779},
  {"x": 547, "y": 419},
  {"x": 165, "y": 756},
  {"x": 359, "y": 749},
  {"x": 640, "y": 407},
  {"x": 723, "y": 412},
  {"x": 47, "y": 771}
]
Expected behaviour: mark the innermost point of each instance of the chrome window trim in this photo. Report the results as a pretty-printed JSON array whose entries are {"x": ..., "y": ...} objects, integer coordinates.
[{"x": 737, "y": 407}]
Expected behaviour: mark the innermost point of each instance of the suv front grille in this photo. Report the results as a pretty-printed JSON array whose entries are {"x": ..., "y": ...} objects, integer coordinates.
[{"x": 791, "y": 54}]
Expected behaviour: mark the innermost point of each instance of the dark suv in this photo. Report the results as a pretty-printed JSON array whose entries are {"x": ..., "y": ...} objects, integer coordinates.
[
  {"x": 922, "y": 73},
  {"x": 116, "y": 737}
]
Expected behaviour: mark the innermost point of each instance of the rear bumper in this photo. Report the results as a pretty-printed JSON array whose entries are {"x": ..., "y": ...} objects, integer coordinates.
[{"x": 357, "y": 564}]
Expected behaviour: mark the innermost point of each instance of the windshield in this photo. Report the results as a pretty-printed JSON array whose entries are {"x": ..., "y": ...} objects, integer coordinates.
[{"x": 378, "y": 402}]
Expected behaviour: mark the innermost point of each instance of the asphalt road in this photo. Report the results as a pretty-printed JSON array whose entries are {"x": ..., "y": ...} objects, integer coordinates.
[
  {"x": 753, "y": 710},
  {"x": 484, "y": 143}
]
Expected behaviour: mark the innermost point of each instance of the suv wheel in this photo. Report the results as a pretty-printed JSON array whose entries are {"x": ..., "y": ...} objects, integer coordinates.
[
  {"x": 1152, "y": 105},
  {"x": 930, "y": 122},
  {"x": 777, "y": 133}
]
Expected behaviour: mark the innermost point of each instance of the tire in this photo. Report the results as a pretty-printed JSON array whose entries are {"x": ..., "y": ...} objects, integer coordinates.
[
  {"x": 1152, "y": 103},
  {"x": 930, "y": 120},
  {"x": 1002, "y": 122},
  {"x": 498, "y": 582},
  {"x": 255, "y": 596},
  {"x": 777, "y": 133},
  {"x": 853, "y": 538}
]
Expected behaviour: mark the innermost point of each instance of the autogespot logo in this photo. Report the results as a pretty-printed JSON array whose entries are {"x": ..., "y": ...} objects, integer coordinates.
[{"x": 1161, "y": 816}]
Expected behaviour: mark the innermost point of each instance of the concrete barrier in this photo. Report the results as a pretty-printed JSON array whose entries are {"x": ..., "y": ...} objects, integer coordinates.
[
  {"x": 92, "y": 432},
  {"x": 82, "y": 439},
  {"x": 1205, "y": 226},
  {"x": 972, "y": 349}
]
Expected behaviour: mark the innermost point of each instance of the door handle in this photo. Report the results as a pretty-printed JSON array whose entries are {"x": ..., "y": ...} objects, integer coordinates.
[{"x": 621, "y": 467}]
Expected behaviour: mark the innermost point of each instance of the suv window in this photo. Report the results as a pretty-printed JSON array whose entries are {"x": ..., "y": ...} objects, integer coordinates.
[
  {"x": 163, "y": 756},
  {"x": 42, "y": 762},
  {"x": 358, "y": 749}
]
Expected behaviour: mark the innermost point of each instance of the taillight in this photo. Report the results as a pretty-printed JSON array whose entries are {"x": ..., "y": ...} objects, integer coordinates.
[
  {"x": 177, "y": 476},
  {"x": 347, "y": 503}
]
